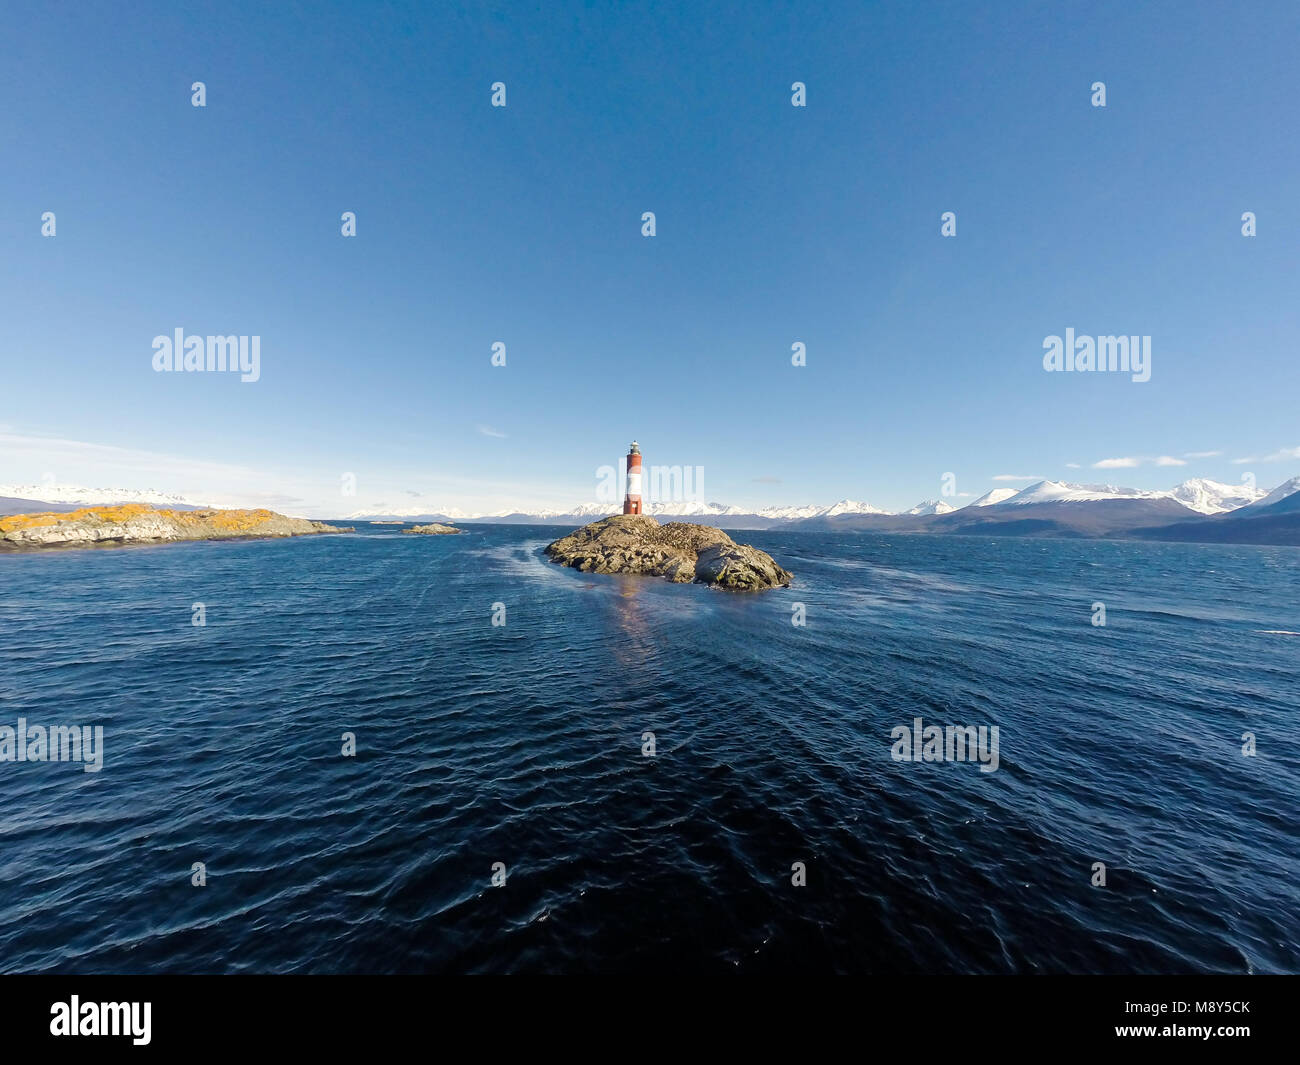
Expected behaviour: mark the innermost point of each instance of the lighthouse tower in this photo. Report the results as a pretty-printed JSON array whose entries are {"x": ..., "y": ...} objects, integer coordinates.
[{"x": 632, "y": 501}]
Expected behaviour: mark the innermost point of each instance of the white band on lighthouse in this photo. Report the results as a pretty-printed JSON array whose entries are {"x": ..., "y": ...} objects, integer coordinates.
[{"x": 634, "y": 483}]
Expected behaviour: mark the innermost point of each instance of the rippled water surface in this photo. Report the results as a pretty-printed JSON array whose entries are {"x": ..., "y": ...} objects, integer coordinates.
[{"x": 522, "y": 744}]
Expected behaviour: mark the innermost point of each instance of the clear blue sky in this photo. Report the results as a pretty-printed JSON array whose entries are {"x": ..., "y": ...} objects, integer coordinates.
[{"x": 523, "y": 225}]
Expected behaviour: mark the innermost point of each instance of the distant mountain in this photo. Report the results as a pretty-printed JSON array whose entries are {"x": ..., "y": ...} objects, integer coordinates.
[
  {"x": 1062, "y": 492},
  {"x": 1198, "y": 510},
  {"x": 1070, "y": 516},
  {"x": 1213, "y": 497},
  {"x": 790, "y": 513},
  {"x": 60, "y": 498},
  {"x": 672, "y": 510},
  {"x": 722, "y": 514},
  {"x": 1286, "y": 491},
  {"x": 931, "y": 506},
  {"x": 422, "y": 516},
  {"x": 847, "y": 506},
  {"x": 1289, "y": 505},
  {"x": 1046, "y": 508},
  {"x": 993, "y": 498},
  {"x": 13, "y": 505},
  {"x": 541, "y": 518},
  {"x": 409, "y": 514},
  {"x": 1199, "y": 494},
  {"x": 1274, "y": 519},
  {"x": 1058, "y": 508}
]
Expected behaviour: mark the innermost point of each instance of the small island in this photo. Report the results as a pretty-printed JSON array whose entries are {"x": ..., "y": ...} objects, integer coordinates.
[
  {"x": 435, "y": 529},
  {"x": 132, "y": 523},
  {"x": 679, "y": 551}
]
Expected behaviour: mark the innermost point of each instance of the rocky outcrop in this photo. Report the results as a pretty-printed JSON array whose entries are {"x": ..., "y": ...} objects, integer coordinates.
[
  {"x": 682, "y": 552},
  {"x": 435, "y": 529},
  {"x": 139, "y": 523}
]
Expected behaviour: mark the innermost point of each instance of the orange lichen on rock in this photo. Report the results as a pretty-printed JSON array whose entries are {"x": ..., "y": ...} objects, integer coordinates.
[
  {"x": 238, "y": 520},
  {"x": 27, "y": 521},
  {"x": 119, "y": 513}
]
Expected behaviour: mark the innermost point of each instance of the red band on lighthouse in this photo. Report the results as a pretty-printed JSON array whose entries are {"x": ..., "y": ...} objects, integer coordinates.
[{"x": 632, "y": 500}]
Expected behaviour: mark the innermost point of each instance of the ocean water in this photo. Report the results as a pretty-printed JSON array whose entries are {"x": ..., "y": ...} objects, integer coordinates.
[{"x": 521, "y": 744}]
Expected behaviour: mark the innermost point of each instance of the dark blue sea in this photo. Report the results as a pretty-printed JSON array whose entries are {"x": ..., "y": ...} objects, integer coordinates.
[{"x": 522, "y": 744}]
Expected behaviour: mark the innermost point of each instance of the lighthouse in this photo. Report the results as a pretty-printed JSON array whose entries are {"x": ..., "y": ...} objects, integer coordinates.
[{"x": 632, "y": 501}]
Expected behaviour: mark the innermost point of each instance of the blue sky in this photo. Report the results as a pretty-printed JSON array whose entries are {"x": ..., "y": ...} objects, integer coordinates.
[{"x": 522, "y": 224}]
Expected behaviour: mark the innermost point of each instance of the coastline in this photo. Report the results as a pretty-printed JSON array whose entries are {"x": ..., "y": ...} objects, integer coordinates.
[{"x": 137, "y": 524}]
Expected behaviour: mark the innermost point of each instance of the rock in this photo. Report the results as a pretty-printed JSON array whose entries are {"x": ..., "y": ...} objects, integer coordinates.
[
  {"x": 139, "y": 523},
  {"x": 679, "y": 551},
  {"x": 433, "y": 530}
]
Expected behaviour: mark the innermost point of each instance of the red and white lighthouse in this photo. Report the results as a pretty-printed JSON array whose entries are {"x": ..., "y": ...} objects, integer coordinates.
[{"x": 632, "y": 500}]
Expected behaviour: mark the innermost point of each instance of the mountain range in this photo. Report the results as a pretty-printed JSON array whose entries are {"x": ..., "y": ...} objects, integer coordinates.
[
  {"x": 65, "y": 497},
  {"x": 1198, "y": 495},
  {"x": 1197, "y": 510}
]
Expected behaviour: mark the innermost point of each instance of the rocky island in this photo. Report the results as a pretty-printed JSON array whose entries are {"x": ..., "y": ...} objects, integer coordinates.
[
  {"x": 682, "y": 552},
  {"x": 435, "y": 529},
  {"x": 130, "y": 523}
]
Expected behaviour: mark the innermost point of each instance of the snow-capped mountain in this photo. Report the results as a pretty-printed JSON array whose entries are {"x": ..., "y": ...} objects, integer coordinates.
[
  {"x": 692, "y": 509},
  {"x": 87, "y": 497},
  {"x": 847, "y": 506},
  {"x": 682, "y": 510},
  {"x": 1213, "y": 497},
  {"x": 790, "y": 513},
  {"x": 592, "y": 511},
  {"x": 931, "y": 506},
  {"x": 721, "y": 510},
  {"x": 1286, "y": 488},
  {"x": 993, "y": 498},
  {"x": 1198, "y": 494},
  {"x": 450, "y": 513},
  {"x": 1062, "y": 492}
]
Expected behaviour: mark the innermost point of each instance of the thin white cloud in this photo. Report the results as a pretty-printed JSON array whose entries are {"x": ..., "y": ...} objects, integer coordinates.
[
  {"x": 1201, "y": 454},
  {"x": 1277, "y": 456},
  {"x": 1072, "y": 466},
  {"x": 1283, "y": 455},
  {"x": 1128, "y": 462},
  {"x": 487, "y": 430}
]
